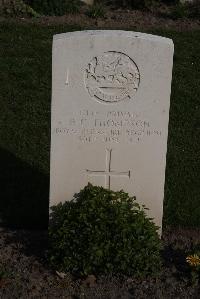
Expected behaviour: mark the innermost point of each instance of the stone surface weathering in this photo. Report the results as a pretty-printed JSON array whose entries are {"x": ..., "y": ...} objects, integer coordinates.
[{"x": 110, "y": 112}]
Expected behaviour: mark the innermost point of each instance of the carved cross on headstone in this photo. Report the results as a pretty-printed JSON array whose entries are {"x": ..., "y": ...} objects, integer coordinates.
[{"x": 108, "y": 173}]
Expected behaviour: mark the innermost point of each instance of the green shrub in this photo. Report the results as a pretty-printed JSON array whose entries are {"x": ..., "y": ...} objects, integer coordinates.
[
  {"x": 101, "y": 231},
  {"x": 179, "y": 11},
  {"x": 170, "y": 2},
  {"x": 3, "y": 272},
  {"x": 187, "y": 10},
  {"x": 96, "y": 11},
  {"x": 17, "y": 8},
  {"x": 55, "y": 7},
  {"x": 194, "y": 10},
  {"x": 136, "y": 4}
]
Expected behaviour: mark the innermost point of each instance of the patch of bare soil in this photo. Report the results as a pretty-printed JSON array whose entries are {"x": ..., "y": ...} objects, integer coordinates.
[
  {"x": 24, "y": 271},
  {"x": 116, "y": 19}
]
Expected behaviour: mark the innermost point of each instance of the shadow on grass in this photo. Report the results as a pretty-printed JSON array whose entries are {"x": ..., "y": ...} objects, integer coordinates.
[{"x": 24, "y": 194}]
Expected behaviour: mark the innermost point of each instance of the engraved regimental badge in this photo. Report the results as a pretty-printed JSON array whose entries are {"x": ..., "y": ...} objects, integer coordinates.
[{"x": 112, "y": 77}]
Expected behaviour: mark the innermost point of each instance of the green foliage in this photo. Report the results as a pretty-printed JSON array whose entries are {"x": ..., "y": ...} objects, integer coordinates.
[
  {"x": 101, "y": 231},
  {"x": 141, "y": 3},
  {"x": 17, "y": 8},
  {"x": 184, "y": 10},
  {"x": 55, "y": 7},
  {"x": 95, "y": 11},
  {"x": 179, "y": 11},
  {"x": 170, "y": 2},
  {"x": 194, "y": 10},
  {"x": 136, "y": 4},
  {"x": 3, "y": 272}
]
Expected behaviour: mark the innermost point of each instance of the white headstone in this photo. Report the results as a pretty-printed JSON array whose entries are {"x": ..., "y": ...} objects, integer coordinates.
[{"x": 110, "y": 110}]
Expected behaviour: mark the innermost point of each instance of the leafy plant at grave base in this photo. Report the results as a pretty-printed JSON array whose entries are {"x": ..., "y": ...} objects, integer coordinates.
[
  {"x": 102, "y": 231},
  {"x": 96, "y": 11},
  {"x": 55, "y": 7},
  {"x": 193, "y": 260}
]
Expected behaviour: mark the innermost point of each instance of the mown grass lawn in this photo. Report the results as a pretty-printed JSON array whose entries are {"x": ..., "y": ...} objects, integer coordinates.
[{"x": 25, "y": 63}]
